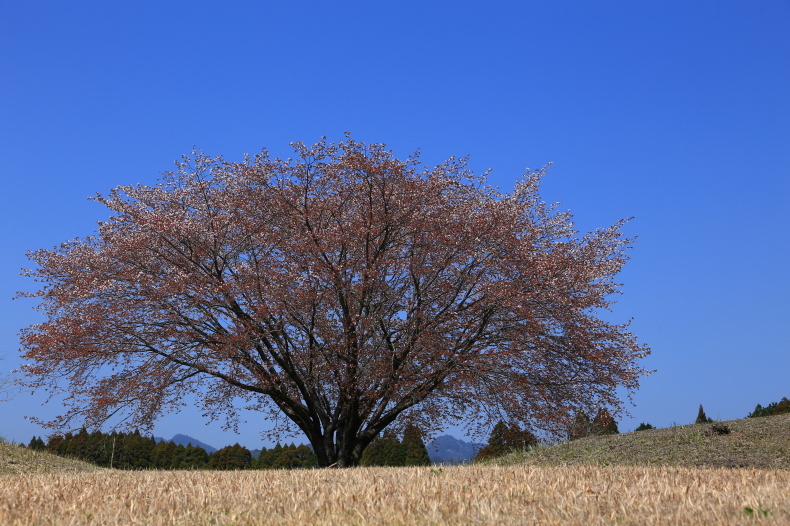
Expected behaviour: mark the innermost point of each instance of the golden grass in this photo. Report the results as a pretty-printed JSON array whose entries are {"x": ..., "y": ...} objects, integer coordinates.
[
  {"x": 19, "y": 459},
  {"x": 522, "y": 494}
]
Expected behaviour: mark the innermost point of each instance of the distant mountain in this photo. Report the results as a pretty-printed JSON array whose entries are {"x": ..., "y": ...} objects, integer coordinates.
[
  {"x": 447, "y": 449},
  {"x": 185, "y": 440}
]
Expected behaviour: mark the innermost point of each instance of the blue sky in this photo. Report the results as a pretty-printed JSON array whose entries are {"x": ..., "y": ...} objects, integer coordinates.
[{"x": 676, "y": 113}]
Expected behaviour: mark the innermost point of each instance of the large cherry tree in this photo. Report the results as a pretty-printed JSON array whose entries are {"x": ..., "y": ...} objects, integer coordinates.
[{"x": 339, "y": 293}]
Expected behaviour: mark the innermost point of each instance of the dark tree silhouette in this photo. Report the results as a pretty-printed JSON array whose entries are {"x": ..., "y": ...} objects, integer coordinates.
[
  {"x": 701, "y": 417},
  {"x": 416, "y": 454},
  {"x": 604, "y": 424},
  {"x": 233, "y": 457},
  {"x": 506, "y": 439},
  {"x": 581, "y": 426},
  {"x": 774, "y": 408},
  {"x": 386, "y": 450}
]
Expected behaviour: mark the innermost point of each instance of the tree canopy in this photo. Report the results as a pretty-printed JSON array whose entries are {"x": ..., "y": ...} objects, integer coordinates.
[
  {"x": 345, "y": 290},
  {"x": 506, "y": 439}
]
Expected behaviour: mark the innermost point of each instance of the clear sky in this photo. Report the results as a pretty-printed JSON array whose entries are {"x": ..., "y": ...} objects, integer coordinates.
[{"x": 674, "y": 112}]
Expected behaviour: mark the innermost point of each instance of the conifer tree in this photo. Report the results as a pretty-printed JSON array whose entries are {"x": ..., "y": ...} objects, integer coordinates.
[
  {"x": 506, "y": 439},
  {"x": 604, "y": 424},
  {"x": 54, "y": 442},
  {"x": 289, "y": 457},
  {"x": 701, "y": 417},
  {"x": 137, "y": 451},
  {"x": 264, "y": 460},
  {"x": 64, "y": 444},
  {"x": 386, "y": 450},
  {"x": 77, "y": 446},
  {"x": 496, "y": 443},
  {"x": 307, "y": 457},
  {"x": 37, "y": 444},
  {"x": 230, "y": 458},
  {"x": 416, "y": 454},
  {"x": 774, "y": 408},
  {"x": 97, "y": 452},
  {"x": 580, "y": 427},
  {"x": 165, "y": 455},
  {"x": 195, "y": 457}
]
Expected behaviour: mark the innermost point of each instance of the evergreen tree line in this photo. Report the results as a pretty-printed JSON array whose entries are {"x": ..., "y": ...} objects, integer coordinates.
[
  {"x": 504, "y": 439},
  {"x": 774, "y": 408},
  {"x": 135, "y": 451},
  {"x": 602, "y": 424},
  {"x": 286, "y": 457},
  {"x": 388, "y": 450}
]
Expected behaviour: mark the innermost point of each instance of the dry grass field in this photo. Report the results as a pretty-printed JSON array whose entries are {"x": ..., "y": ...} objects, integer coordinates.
[
  {"x": 519, "y": 494},
  {"x": 751, "y": 443},
  {"x": 16, "y": 459},
  {"x": 681, "y": 475}
]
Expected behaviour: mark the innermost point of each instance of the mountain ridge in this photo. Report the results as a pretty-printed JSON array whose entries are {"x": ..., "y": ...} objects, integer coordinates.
[
  {"x": 447, "y": 449},
  {"x": 185, "y": 440}
]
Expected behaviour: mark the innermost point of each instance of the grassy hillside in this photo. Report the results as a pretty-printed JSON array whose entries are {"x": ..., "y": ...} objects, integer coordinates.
[
  {"x": 752, "y": 442},
  {"x": 18, "y": 459}
]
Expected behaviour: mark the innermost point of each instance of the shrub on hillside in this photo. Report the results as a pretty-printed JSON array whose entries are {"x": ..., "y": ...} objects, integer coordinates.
[
  {"x": 580, "y": 427},
  {"x": 604, "y": 424},
  {"x": 644, "y": 427},
  {"x": 506, "y": 439},
  {"x": 774, "y": 408},
  {"x": 702, "y": 418},
  {"x": 717, "y": 429}
]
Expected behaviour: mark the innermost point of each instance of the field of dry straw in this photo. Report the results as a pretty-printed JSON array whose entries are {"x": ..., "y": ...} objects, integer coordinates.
[{"x": 490, "y": 494}]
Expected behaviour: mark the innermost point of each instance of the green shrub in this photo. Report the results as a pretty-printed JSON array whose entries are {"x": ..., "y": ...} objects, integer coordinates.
[{"x": 774, "y": 408}]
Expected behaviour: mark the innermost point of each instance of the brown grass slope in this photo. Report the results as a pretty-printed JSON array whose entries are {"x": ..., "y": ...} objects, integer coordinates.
[
  {"x": 18, "y": 460},
  {"x": 762, "y": 443}
]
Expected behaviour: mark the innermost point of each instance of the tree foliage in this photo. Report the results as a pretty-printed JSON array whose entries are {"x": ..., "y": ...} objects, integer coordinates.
[
  {"x": 580, "y": 427},
  {"x": 136, "y": 451},
  {"x": 231, "y": 458},
  {"x": 506, "y": 438},
  {"x": 644, "y": 427},
  {"x": 604, "y": 423},
  {"x": 345, "y": 290},
  {"x": 9, "y": 385},
  {"x": 774, "y": 408},
  {"x": 702, "y": 418},
  {"x": 387, "y": 450},
  {"x": 288, "y": 457},
  {"x": 416, "y": 454}
]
